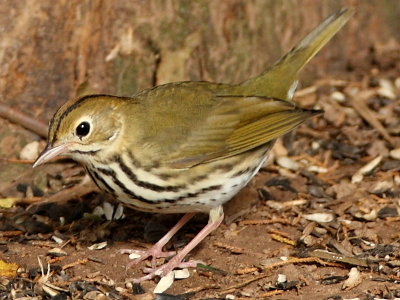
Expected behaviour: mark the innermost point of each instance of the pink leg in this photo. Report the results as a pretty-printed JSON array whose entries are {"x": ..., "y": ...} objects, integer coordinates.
[
  {"x": 176, "y": 261},
  {"x": 156, "y": 251}
]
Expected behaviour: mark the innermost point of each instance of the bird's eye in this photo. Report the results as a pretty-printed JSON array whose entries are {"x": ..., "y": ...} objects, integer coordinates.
[{"x": 82, "y": 129}]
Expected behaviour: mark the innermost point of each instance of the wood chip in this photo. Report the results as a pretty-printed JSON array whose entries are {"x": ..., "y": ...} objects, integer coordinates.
[
  {"x": 164, "y": 283},
  {"x": 98, "y": 246},
  {"x": 319, "y": 217},
  {"x": 287, "y": 163},
  {"x": 340, "y": 258},
  {"x": 353, "y": 280},
  {"x": 359, "y": 175}
]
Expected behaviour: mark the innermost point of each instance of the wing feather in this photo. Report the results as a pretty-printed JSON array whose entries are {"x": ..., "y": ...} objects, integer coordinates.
[{"x": 236, "y": 125}]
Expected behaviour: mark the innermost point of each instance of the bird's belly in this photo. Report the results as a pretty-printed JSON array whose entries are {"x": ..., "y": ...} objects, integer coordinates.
[{"x": 197, "y": 189}]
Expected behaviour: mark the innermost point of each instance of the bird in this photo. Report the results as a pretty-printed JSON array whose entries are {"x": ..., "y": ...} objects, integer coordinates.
[{"x": 185, "y": 147}]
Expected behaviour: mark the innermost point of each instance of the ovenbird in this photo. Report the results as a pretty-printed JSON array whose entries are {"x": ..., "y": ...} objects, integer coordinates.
[{"x": 185, "y": 147}]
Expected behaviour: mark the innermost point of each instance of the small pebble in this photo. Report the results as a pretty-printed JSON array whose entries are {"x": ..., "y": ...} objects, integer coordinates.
[
  {"x": 315, "y": 145},
  {"x": 30, "y": 151},
  {"x": 181, "y": 274},
  {"x": 338, "y": 96},
  {"x": 281, "y": 278}
]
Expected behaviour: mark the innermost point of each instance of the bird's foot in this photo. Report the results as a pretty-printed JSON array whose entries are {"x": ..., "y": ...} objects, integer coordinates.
[
  {"x": 154, "y": 252},
  {"x": 164, "y": 269}
]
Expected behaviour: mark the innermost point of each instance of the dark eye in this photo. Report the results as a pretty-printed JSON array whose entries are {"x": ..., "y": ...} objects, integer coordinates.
[{"x": 83, "y": 129}]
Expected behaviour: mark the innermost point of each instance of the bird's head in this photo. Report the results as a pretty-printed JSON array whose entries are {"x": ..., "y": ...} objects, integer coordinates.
[{"x": 84, "y": 127}]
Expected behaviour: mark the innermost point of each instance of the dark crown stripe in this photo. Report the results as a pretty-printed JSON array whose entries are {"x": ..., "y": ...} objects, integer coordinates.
[
  {"x": 146, "y": 185},
  {"x": 77, "y": 103},
  {"x": 69, "y": 109}
]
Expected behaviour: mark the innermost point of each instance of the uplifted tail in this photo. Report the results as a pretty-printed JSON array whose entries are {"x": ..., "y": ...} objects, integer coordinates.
[{"x": 280, "y": 80}]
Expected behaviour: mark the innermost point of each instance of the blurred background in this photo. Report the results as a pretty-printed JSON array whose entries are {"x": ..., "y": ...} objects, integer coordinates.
[{"x": 50, "y": 52}]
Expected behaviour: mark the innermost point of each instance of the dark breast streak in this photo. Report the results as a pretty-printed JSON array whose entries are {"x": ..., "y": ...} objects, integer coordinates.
[{"x": 119, "y": 189}]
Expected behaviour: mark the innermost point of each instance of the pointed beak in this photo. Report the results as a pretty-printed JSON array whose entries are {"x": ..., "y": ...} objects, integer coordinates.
[{"x": 49, "y": 153}]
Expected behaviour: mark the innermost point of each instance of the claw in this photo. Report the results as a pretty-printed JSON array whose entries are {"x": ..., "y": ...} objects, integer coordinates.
[
  {"x": 216, "y": 217},
  {"x": 156, "y": 251},
  {"x": 166, "y": 268}
]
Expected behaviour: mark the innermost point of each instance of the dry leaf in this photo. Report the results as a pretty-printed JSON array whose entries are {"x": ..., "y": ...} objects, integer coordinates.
[{"x": 8, "y": 269}]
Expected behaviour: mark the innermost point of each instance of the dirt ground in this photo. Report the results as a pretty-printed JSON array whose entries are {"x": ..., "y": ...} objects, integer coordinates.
[{"x": 319, "y": 221}]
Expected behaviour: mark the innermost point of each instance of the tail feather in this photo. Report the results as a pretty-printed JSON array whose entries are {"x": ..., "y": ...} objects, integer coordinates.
[{"x": 280, "y": 80}]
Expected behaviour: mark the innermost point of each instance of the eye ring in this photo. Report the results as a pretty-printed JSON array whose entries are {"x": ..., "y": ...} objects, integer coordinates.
[{"x": 82, "y": 129}]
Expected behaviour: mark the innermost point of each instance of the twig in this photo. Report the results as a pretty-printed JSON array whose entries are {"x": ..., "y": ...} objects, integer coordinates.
[
  {"x": 302, "y": 260},
  {"x": 269, "y": 294},
  {"x": 30, "y": 200},
  {"x": 18, "y": 161},
  {"x": 75, "y": 192},
  {"x": 56, "y": 259},
  {"x": 341, "y": 258},
  {"x": 279, "y": 232},
  {"x": 10, "y": 233},
  {"x": 246, "y": 270},
  {"x": 78, "y": 262},
  {"x": 358, "y": 102},
  {"x": 202, "y": 288},
  {"x": 231, "y": 248},
  {"x": 282, "y": 239},
  {"x": 265, "y": 221},
  {"x": 24, "y": 120}
]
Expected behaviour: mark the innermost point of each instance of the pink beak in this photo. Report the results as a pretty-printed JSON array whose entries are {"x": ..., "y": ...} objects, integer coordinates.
[{"x": 49, "y": 153}]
